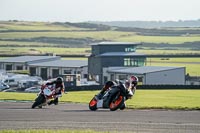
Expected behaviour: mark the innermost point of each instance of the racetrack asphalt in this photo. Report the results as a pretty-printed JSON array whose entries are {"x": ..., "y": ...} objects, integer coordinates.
[{"x": 19, "y": 115}]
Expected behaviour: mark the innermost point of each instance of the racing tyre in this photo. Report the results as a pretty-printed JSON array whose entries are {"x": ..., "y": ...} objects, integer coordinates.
[
  {"x": 93, "y": 104},
  {"x": 38, "y": 101},
  {"x": 114, "y": 105}
]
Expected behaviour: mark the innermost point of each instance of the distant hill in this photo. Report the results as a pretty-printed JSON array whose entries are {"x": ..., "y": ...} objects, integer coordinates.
[{"x": 151, "y": 24}]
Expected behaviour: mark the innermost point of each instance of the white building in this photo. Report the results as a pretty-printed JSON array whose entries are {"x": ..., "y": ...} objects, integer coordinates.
[
  {"x": 148, "y": 75},
  {"x": 52, "y": 69},
  {"x": 46, "y": 66},
  {"x": 22, "y": 62}
]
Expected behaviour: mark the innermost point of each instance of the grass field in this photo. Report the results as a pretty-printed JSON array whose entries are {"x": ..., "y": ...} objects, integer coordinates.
[
  {"x": 175, "y": 60},
  {"x": 109, "y": 35},
  {"x": 165, "y": 51},
  {"x": 160, "y": 39},
  {"x": 43, "y": 50},
  {"x": 192, "y": 69},
  {"x": 42, "y": 29},
  {"x": 143, "y": 99},
  {"x": 191, "y": 64},
  {"x": 34, "y": 26}
]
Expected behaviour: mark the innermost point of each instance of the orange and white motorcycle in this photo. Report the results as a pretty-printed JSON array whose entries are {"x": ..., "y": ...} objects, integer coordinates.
[{"x": 113, "y": 99}]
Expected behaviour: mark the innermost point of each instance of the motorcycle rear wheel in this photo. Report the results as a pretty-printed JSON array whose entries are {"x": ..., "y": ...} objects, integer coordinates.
[
  {"x": 114, "y": 105},
  {"x": 38, "y": 101},
  {"x": 93, "y": 104}
]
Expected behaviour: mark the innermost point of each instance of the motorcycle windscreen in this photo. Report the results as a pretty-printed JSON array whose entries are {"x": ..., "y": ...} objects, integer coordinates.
[{"x": 47, "y": 92}]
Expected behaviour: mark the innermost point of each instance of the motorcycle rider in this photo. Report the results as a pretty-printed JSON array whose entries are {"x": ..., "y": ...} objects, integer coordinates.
[
  {"x": 59, "y": 88},
  {"x": 132, "y": 83},
  {"x": 107, "y": 85},
  {"x": 129, "y": 85}
]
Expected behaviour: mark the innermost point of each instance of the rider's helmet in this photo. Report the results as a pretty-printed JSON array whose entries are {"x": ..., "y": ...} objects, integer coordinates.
[
  {"x": 109, "y": 84},
  {"x": 59, "y": 80},
  {"x": 133, "y": 80}
]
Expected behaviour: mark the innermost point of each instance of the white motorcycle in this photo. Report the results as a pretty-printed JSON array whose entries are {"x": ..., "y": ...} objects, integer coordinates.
[{"x": 44, "y": 96}]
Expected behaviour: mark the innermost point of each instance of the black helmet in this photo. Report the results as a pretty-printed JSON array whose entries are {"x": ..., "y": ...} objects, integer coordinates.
[
  {"x": 59, "y": 80},
  {"x": 109, "y": 83}
]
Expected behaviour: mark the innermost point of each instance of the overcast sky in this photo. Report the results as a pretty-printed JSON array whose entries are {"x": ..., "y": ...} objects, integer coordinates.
[{"x": 99, "y": 10}]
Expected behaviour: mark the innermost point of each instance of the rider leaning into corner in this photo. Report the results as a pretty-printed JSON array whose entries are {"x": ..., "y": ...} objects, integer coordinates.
[
  {"x": 59, "y": 88},
  {"x": 129, "y": 84}
]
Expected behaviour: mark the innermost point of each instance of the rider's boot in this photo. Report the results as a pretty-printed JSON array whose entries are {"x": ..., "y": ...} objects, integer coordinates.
[
  {"x": 123, "y": 106},
  {"x": 56, "y": 101},
  {"x": 51, "y": 102}
]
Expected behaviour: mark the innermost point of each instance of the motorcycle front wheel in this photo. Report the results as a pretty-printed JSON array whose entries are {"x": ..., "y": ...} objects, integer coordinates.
[
  {"x": 114, "y": 105},
  {"x": 93, "y": 104},
  {"x": 38, "y": 101}
]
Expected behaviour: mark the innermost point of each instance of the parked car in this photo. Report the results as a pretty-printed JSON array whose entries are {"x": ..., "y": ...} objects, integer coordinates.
[
  {"x": 3, "y": 86},
  {"x": 33, "y": 89},
  {"x": 10, "y": 90}
]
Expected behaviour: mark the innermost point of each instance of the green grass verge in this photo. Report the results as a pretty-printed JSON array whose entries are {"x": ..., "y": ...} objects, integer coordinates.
[{"x": 143, "y": 99}]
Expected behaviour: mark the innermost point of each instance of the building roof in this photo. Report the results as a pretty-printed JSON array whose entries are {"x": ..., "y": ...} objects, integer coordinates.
[
  {"x": 139, "y": 70},
  {"x": 116, "y": 43},
  {"x": 62, "y": 63},
  {"x": 122, "y": 54},
  {"x": 23, "y": 59}
]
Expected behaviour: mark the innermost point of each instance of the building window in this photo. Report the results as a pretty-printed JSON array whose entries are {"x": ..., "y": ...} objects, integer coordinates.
[
  {"x": 69, "y": 78},
  {"x": 126, "y": 62},
  {"x": 122, "y": 77},
  {"x": 141, "y": 62},
  {"x": 55, "y": 73},
  {"x": 32, "y": 71},
  {"x": 78, "y": 72},
  {"x": 19, "y": 67},
  {"x": 135, "y": 62},
  {"x": 67, "y": 71},
  {"x": 85, "y": 76},
  {"x": 8, "y": 67},
  {"x": 112, "y": 77}
]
